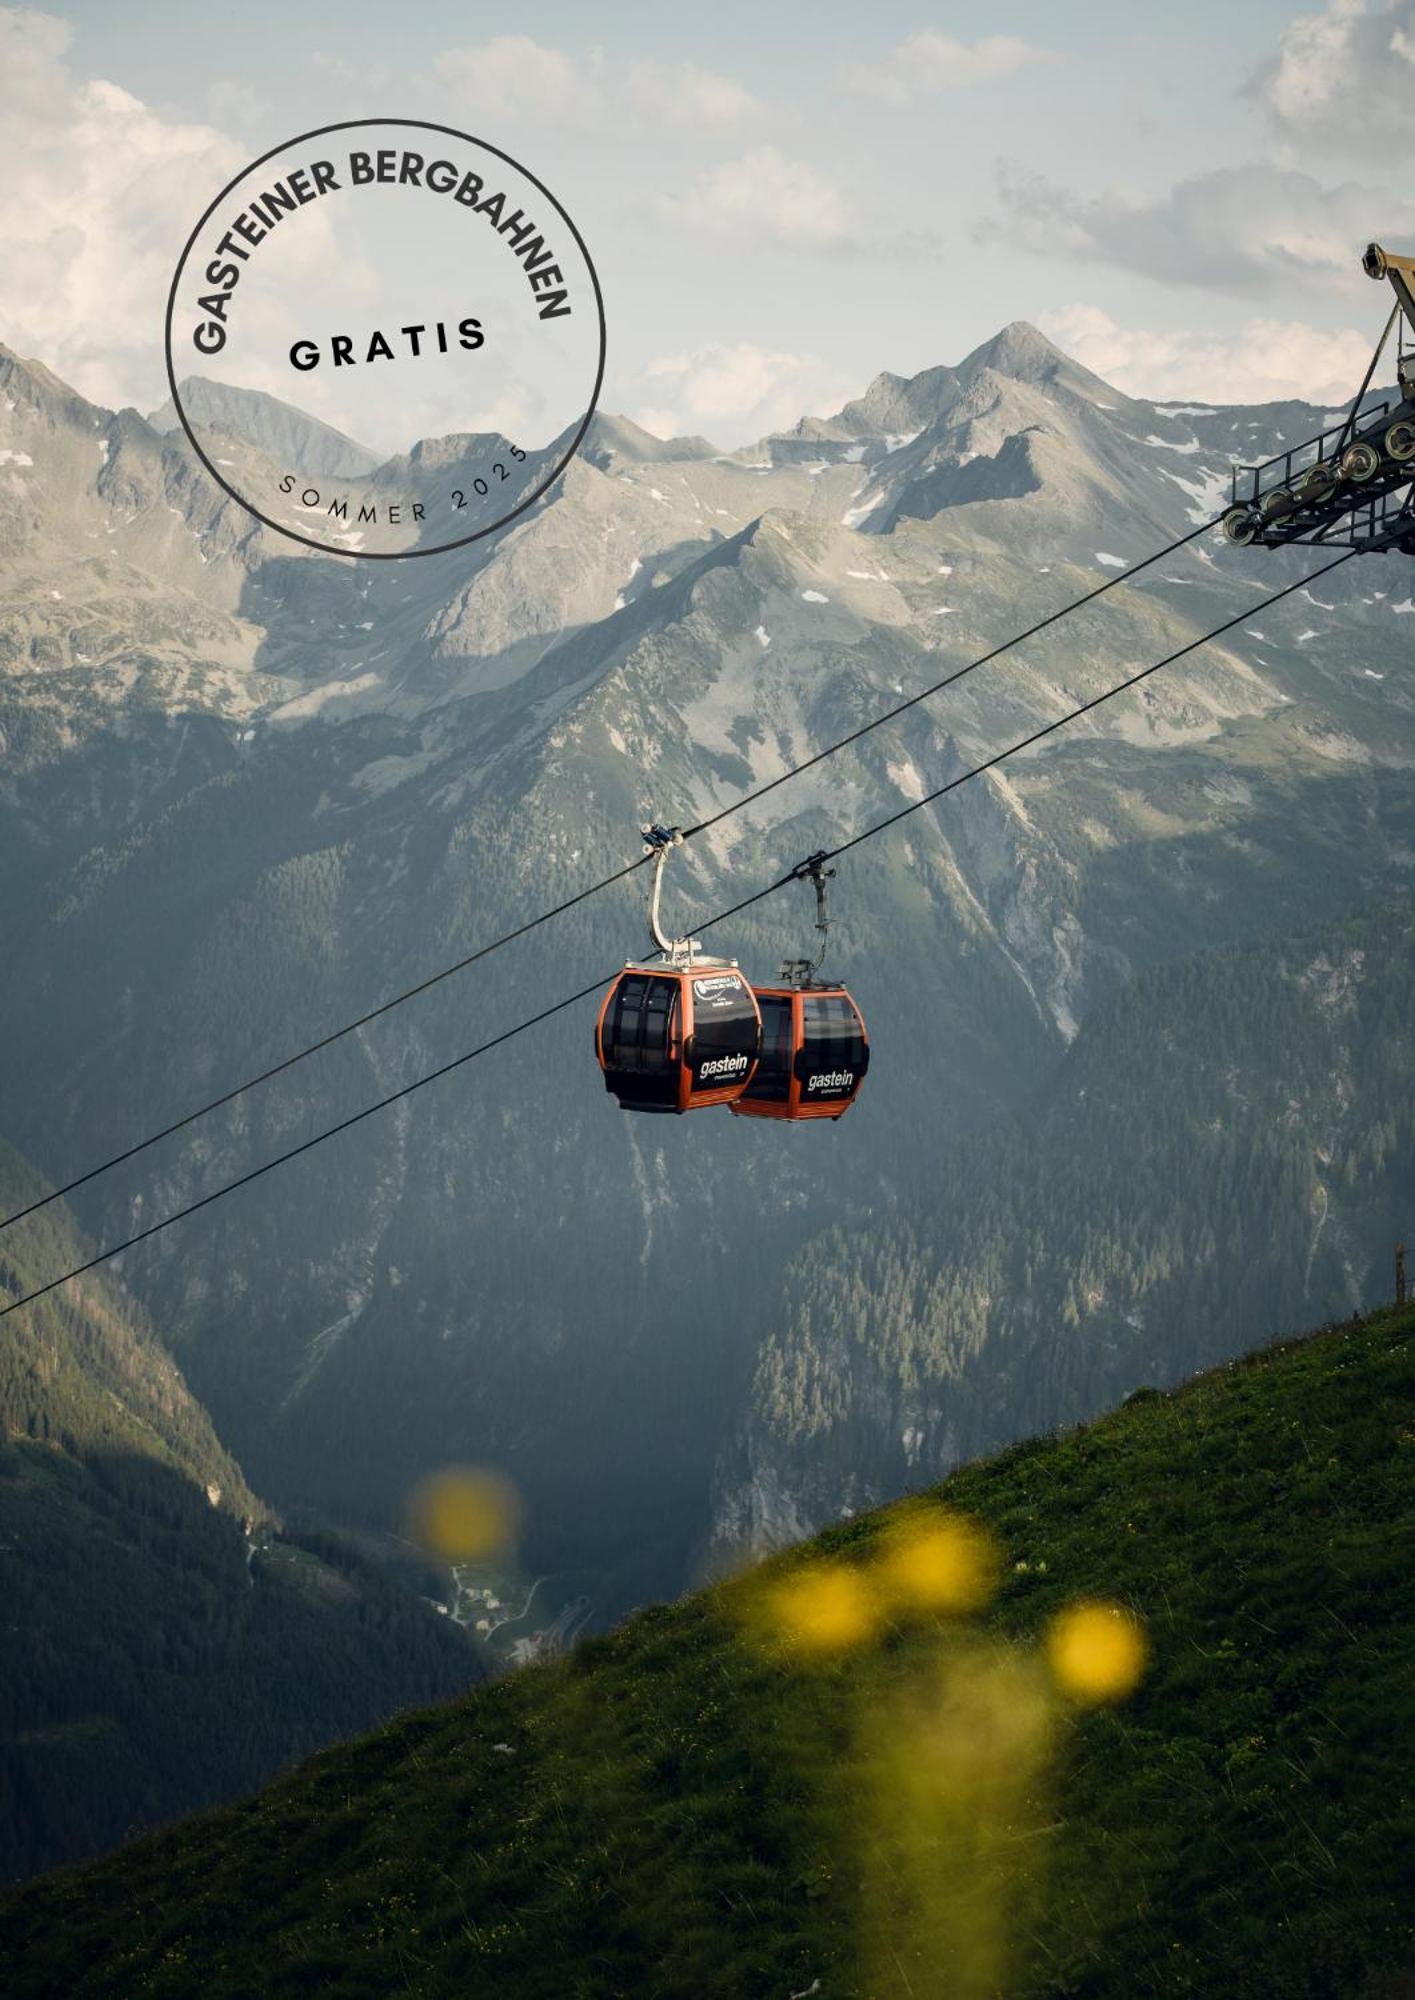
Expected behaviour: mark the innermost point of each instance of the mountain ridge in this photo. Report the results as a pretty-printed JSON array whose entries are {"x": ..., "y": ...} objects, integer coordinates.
[{"x": 280, "y": 428}]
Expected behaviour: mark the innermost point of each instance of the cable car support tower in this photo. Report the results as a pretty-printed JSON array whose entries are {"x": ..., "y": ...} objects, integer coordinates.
[{"x": 1352, "y": 486}]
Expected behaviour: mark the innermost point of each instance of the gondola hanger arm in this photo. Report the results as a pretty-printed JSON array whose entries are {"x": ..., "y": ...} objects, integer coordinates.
[
  {"x": 801, "y": 971},
  {"x": 658, "y": 842}
]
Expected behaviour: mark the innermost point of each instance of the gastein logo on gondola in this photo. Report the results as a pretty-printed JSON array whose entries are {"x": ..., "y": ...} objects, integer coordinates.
[
  {"x": 385, "y": 339},
  {"x": 723, "y": 1067}
]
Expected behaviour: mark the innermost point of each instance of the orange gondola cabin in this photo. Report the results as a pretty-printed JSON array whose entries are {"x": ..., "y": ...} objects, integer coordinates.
[
  {"x": 815, "y": 1053},
  {"x": 678, "y": 1038}
]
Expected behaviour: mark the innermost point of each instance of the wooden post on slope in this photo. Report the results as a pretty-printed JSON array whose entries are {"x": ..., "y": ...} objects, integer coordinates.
[{"x": 1400, "y": 1274}]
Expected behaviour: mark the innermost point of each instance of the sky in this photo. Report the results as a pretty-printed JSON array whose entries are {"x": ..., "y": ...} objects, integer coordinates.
[{"x": 781, "y": 201}]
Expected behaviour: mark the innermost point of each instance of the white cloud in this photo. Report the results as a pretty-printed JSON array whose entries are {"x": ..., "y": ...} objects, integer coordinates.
[
  {"x": 766, "y": 200},
  {"x": 735, "y": 393},
  {"x": 681, "y": 93},
  {"x": 515, "y": 69},
  {"x": 586, "y": 92},
  {"x": 100, "y": 193},
  {"x": 928, "y": 62},
  {"x": 1344, "y": 78},
  {"x": 361, "y": 73},
  {"x": 237, "y": 106},
  {"x": 1267, "y": 361},
  {"x": 1253, "y": 227}
]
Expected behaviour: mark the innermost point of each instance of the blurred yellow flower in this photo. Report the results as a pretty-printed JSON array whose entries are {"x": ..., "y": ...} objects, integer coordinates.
[
  {"x": 825, "y": 1608},
  {"x": 939, "y": 1562},
  {"x": 464, "y": 1512},
  {"x": 1096, "y": 1652},
  {"x": 950, "y": 1790}
]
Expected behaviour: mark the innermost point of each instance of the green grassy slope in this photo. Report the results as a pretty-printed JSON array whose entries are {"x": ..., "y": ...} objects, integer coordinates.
[{"x": 685, "y": 1809}]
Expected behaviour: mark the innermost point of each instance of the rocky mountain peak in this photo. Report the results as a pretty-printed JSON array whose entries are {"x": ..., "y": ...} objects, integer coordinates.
[
  {"x": 30, "y": 387},
  {"x": 899, "y": 403},
  {"x": 1019, "y": 349},
  {"x": 614, "y": 437},
  {"x": 1022, "y": 353},
  {"x": 276, "y": 428}
]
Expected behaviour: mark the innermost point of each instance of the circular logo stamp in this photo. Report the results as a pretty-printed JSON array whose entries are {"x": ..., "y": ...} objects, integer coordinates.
[{"x": 385, "y": 338}]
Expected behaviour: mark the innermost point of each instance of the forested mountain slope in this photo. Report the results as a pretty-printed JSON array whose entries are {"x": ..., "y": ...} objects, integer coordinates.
[
  {"x": 1227, "y": 1148},
  {"x": 834, "y": 1777},
  {"x": 79, "y": 1370},
  {"x": 166, "y": 1643},
  {"x": 252, "y": 791}
]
